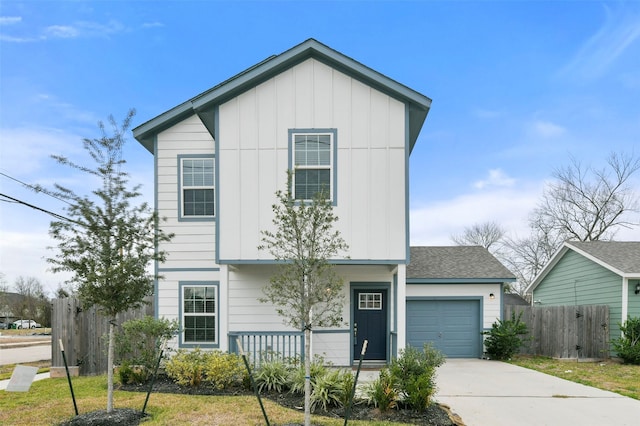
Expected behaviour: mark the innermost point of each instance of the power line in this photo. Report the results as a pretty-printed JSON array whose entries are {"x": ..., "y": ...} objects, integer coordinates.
[
  {"x": 34, "y": 188},
  {"x": 56, "y": 215}
]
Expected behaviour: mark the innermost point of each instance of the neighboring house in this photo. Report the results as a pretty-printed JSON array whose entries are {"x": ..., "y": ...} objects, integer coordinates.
[
  {"x": 453, "y": 295},
  {"x": 220, "y": 157},
  {"x": 593, "y": 273}
]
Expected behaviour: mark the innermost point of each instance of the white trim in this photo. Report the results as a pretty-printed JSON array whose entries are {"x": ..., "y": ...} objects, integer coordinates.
[
  {"x": 625, "y": 299},
  {"x": 401, "y": 307}
]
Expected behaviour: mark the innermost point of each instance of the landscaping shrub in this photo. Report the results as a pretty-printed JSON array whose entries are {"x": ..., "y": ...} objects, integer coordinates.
[
  {"x": 628, "y": 346},
  {"x": 223, "y": 369},
  {"x": 128, "y": 374},
  {"x": 138, "y": 345},
  {"x": 318, "y": 368},
  {"x": 217, "y": 369},
  {"x": 504, "y": 339},
  {"x": 414, "y": 373},
  {"x": 273, "y": 376},
  {"x": 382, "y": 392},
  {"x": 408, "y": 380},
  {"x": 331, "y": 389},
  {"x": 186, "y": 368}
]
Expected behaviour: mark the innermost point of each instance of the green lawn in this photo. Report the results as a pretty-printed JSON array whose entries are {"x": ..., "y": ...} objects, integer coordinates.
[
  {"x": 49, "y": 402},
  {"x": 607, "y": 375}
]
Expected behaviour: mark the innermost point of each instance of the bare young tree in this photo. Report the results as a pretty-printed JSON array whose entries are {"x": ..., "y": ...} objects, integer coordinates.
[
  {"x": 486, "y": 234},
  {"x": 588, "y": 204},
  {"x": 306, "y": 291}
]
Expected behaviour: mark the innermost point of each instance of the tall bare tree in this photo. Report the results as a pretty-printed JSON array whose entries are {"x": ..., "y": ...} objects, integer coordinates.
[
  {"x": 33, "y": 303},
  {"x": 109, "y": 241},
  {"x": 526, "y": 256},
  {"x": 588, "y": 204},
  {"x": 306, "y": 290},
  {"x": 486, "y": 234},
  {"x": 581, "y": 203}
]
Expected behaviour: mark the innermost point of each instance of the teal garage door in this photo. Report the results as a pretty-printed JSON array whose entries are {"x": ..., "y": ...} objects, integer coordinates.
[{"x": 452, "y": 326}]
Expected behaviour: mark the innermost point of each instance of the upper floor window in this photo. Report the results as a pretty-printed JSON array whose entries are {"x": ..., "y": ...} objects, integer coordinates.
[
  {"x": 198, "y": 187},
  {"x": 313, "y": 158}
]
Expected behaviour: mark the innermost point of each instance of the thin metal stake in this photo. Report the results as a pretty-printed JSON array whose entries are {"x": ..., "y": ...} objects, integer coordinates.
[
  {"x": 253, "y": 383},
  {"x": 66, "y": 367},
  {"x": 153, "y": 380},
  {"x": 355, "y": 382}
]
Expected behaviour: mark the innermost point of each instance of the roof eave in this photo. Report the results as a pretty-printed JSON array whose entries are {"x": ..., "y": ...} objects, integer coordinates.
[
  {"x": 205, "y": 102},
  {"x": 145, "y": 133}
]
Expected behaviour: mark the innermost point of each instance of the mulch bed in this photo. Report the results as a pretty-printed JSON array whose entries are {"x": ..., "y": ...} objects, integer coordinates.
[{"x": 435, "y": 415}]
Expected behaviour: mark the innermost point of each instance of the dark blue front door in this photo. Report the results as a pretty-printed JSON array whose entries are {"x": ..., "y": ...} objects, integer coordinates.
[{"x": 370, "y": 323}]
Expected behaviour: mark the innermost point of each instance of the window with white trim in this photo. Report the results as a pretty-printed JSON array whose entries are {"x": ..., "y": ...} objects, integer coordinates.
[
  {"x": 313, "y": 168},
  {"x": 199, "y": 314},
  {"x": 370, "y": 301},
  {"x": 198, "y": 187}
]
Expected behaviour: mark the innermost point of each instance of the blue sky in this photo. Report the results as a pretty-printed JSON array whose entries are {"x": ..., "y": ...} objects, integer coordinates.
[{"x": 517, "y": 86}]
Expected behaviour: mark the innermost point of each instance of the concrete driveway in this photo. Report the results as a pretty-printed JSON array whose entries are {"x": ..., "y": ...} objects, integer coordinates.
[{"x": 494, "y": 393}]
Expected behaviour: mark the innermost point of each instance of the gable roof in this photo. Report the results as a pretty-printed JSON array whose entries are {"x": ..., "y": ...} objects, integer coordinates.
[
  {"x": 204, "y": 103},
  {"x": 620, "y": 257},
  {"x": 460, "y": 263}
]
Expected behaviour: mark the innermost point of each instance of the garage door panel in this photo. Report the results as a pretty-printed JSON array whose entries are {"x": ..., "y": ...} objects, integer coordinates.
[{"x": 452, "y": 326}]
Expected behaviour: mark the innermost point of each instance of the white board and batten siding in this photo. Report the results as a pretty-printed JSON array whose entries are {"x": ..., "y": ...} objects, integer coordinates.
[{"x": 371, "y": 159}]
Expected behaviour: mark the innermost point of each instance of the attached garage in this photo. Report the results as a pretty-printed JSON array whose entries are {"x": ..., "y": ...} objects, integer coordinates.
[
  {"x": 452, "y": 326},
  {"x": 453, "y": 294}
]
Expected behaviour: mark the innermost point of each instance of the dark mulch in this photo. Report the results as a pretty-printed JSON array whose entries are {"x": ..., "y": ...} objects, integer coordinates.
[{"x": 435, "y": 415}]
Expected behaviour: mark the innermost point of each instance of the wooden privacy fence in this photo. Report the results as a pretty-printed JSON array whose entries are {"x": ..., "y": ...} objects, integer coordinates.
[
  {"x": 84, "y": 334},
  {"x": 564, "y": 331}
]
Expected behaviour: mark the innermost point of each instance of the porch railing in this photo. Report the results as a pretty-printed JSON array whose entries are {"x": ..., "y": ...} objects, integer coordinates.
[{"x": 260, "y": 346}]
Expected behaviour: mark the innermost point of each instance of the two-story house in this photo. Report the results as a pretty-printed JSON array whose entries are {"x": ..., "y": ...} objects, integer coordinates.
[{"x": 221, "y": 156}]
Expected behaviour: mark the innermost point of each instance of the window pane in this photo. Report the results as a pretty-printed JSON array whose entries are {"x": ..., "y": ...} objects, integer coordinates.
[
  {"x": 198, "y": 202},
  {"x": 311, "y": 181}
]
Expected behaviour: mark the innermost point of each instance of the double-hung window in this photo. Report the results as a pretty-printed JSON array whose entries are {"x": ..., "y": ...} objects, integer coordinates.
[
  {"x": 313, "y": 158},
  {"x": 199, "y": 319},
  {"x": 198, "y": 187}
]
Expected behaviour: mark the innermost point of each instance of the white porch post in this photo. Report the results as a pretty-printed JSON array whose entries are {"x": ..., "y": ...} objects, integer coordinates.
[
  {"x": 223, "y": 308},
  {"x": 625, "y": 300},
  {"x": 401, "y": 306}
]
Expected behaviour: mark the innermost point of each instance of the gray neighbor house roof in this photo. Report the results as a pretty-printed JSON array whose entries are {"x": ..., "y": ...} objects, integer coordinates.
[
  {"x": 623, "y": 256},
  {"x": 456, "y": 263},
  {"x": 620, "y": 257}
]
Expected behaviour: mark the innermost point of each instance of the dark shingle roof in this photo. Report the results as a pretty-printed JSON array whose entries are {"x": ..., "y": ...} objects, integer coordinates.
[
  {"x": 621, "y": 255},
  {"x": 450, "y": 262}
]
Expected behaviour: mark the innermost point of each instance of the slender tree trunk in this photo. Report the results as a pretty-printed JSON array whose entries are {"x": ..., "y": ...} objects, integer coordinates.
[
  {"x": 307, "y": 377},
  {"x": 110, "y": 367}
]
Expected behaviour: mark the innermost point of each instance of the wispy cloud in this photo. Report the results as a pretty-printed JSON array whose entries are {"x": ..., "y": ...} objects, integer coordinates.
[
  {"x": 85, "y": 29},
  {"x": 79, "y": 29},
  {"x": 620, "y": 30},
  {"x": 10, "y": 20},
  {"x": 546, "y": 129},
  {"x": 61, "y": 31},
  {"x": 152, "y": 25},
  {"x": 496, "y": 178}
]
